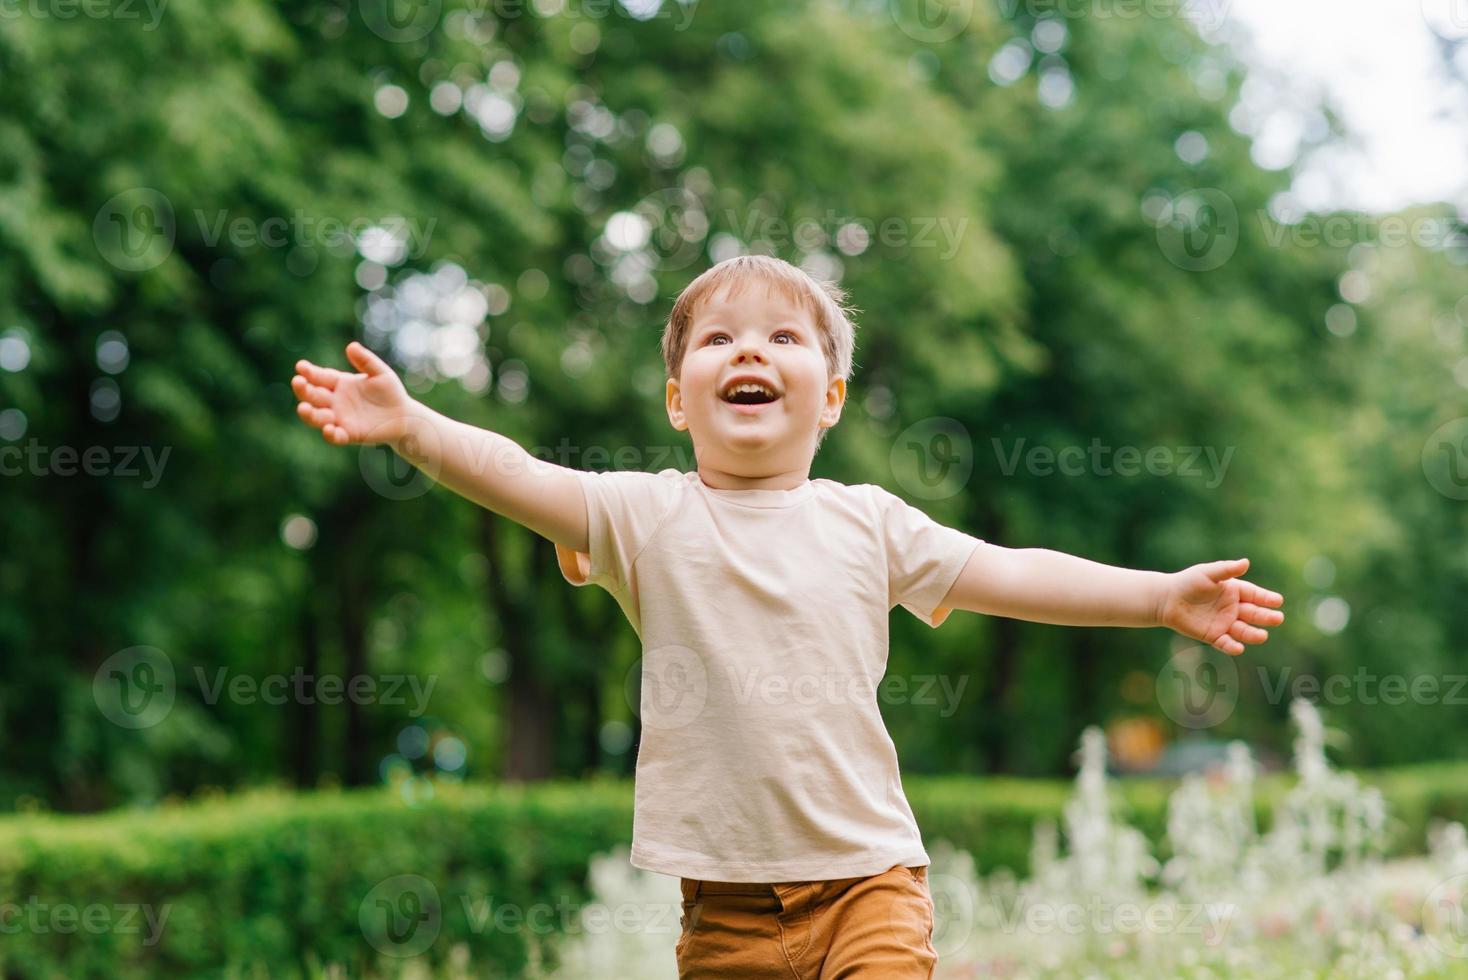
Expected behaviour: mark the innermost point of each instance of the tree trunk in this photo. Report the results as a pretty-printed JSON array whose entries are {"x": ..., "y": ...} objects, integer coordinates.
[
  {"x": 305, "y": 722},
  {"x": 1003, "y": 664},
  {"x": 356, "y": 757},
  {"x": 530, "y": 710}
]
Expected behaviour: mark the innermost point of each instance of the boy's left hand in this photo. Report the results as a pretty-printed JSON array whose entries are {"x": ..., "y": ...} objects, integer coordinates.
[{"x": 1210, "y": 603}]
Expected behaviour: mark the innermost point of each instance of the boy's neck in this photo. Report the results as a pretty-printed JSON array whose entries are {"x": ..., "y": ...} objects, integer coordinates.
[{"x": 721, "y": 480}]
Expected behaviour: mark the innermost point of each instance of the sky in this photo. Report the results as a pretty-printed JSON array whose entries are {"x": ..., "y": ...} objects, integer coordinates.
[{"x": 1376, "y": 62}]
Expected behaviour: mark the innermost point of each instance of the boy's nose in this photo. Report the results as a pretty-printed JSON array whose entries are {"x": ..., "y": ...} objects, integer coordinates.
[{"x": 749, "y": 353}]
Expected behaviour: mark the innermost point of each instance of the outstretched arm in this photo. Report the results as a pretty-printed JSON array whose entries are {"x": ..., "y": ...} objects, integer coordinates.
[
  {"x": 372, "y": 407},
  {"x": 1204, "y": 602}
]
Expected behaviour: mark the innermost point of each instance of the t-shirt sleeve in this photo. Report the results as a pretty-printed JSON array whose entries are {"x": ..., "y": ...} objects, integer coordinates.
[
  {"x": 624, "y": 508},
  {"x": 923, "y": 557}
]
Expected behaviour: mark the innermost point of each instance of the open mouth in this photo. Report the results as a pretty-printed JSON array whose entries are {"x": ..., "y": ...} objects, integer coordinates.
[{"x": 749, "y": 393}]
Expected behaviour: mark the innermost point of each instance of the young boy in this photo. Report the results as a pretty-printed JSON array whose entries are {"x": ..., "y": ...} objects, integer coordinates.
[{"x": 766, "y": 780}]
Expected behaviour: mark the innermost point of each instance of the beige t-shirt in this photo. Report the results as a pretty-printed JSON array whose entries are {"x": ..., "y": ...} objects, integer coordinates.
[{"x": 763, "y": 618}]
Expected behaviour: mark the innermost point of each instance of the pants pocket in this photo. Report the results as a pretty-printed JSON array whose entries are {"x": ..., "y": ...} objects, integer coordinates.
[{"x": 687, "y": 923}]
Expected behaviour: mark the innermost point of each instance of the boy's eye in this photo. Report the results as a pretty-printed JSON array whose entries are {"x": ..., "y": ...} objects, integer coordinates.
[{"x": 722, "y": 336}]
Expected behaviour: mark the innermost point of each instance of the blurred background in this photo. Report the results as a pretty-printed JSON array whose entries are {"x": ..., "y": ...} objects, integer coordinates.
[{"x": 1152, "y": 282}]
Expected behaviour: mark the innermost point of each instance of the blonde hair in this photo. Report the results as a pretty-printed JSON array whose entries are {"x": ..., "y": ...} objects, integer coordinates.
[{"x": 825, "y": 301}]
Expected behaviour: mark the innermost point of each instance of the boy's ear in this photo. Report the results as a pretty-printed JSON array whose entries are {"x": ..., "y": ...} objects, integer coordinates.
[
  {"x": 675, "y": 405},
  {"x": 835, "y": 400}
]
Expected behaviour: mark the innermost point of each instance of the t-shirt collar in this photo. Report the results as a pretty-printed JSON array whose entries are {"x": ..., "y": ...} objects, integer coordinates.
[{"x": 755, "y": 498}]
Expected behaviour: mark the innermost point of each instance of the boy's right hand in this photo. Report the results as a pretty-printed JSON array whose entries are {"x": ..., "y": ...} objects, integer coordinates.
[{"x": 366, "y": 408}]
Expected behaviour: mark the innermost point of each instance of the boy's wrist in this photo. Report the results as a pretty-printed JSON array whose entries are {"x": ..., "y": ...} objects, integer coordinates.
[
  {"x": 1162, "y": 592},
  {"x": 408, "y": 433}
]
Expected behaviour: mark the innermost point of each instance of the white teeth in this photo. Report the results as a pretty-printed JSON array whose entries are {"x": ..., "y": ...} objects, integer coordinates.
[{"x": 750, "y": 387}]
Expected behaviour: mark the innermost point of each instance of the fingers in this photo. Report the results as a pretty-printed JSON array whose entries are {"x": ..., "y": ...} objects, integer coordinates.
[
  {"x": 1227, "y": 644},
  {"x": 1258, "y": 616},
  {"x": 1249, "y": 592},
  {"x": 322, "y": 376},
  {"x": 318, "y": 417},
  {"x": 1245, "y": 633},
  {"x": 313, "y": 394},
  {"x": 366, "y": 361},
  {"x": 1229, "y": 568}
]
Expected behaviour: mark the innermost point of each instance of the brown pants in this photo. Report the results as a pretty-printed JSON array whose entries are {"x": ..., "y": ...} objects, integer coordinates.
[{"x": 875, "y": 927}]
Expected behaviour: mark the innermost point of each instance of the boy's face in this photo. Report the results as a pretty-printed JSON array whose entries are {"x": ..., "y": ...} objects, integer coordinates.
[{"x": 751, "y": 331}]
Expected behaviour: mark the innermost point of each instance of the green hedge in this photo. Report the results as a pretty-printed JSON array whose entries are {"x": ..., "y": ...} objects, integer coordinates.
[
  {"x": 994, "y": 818},
  {"x": 274, "y": 884}
]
